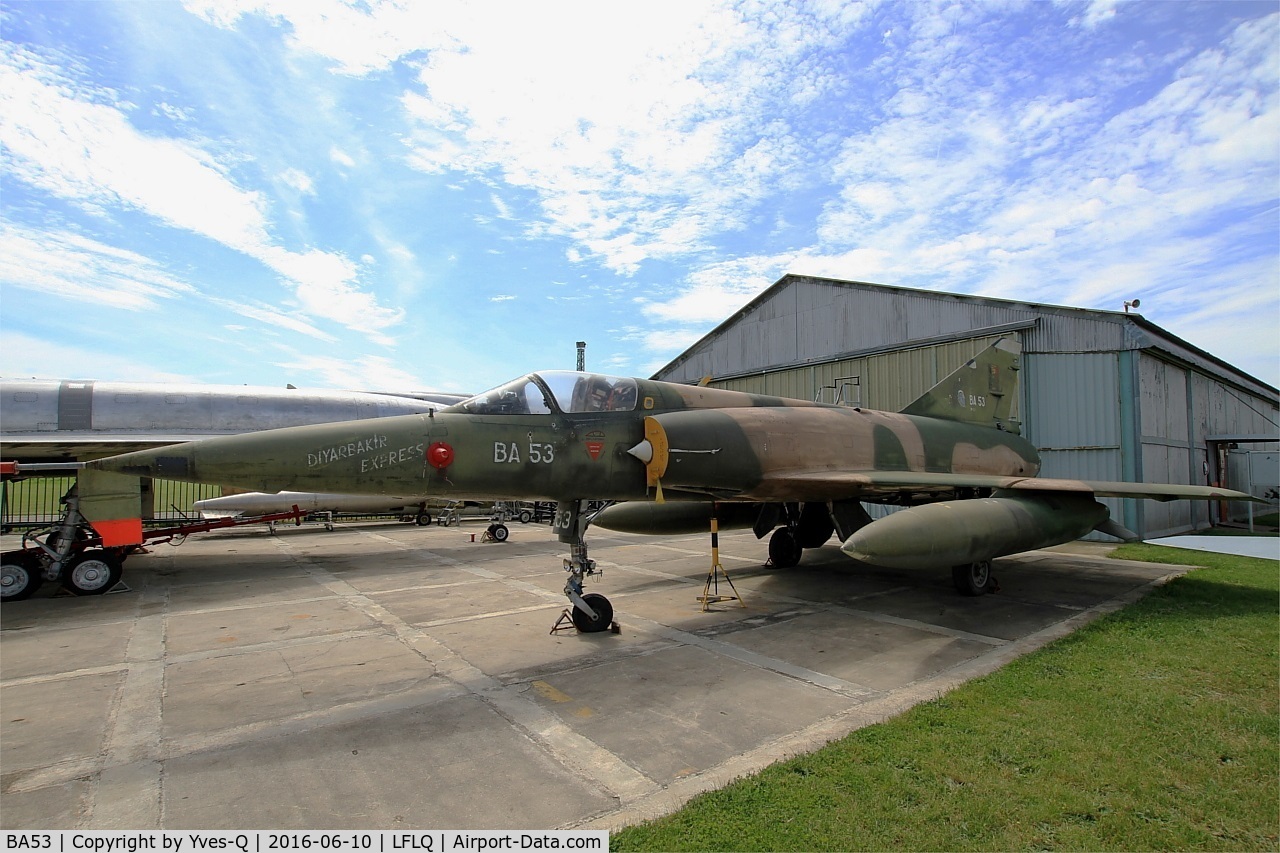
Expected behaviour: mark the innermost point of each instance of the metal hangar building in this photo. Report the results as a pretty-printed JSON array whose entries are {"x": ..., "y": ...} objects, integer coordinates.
[{"x": 1104, "y": 395}]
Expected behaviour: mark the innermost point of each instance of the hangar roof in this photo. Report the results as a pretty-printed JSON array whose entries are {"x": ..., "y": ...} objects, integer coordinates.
[{"x": 1127, "y": 330}]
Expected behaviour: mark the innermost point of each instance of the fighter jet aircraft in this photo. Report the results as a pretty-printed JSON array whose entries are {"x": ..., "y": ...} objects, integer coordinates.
[
  {"x": 46, "y": 420},
  {"x": 671, "y": 452}
]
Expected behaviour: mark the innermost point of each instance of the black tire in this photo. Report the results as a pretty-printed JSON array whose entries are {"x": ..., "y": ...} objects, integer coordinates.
[
  {"x": 784, "y": 549},
  {"x": 499, "y": 532},
  {"x": 604, "y": 614},
  {"x": 19, "y": 576},
  {"x": 94, "y": 572},
  {"x": 525, "y": 516},
  {"x": 423, "y": 518},
  {"x": 973, "y": 578}
]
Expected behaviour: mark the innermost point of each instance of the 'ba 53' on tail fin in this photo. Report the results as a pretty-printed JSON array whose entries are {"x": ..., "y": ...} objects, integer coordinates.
[{"x": 981, "y": 391}]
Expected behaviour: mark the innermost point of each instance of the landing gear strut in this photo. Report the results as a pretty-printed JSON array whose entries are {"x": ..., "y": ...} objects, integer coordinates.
[
  {"x": 807, "y": 525},
  {"x": 591, "y": 612}
]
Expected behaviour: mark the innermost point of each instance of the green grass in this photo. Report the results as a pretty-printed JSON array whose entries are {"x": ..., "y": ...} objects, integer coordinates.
[
  {"x": 1155, "y": 728},
  {"x": 1271, "y": 519}
]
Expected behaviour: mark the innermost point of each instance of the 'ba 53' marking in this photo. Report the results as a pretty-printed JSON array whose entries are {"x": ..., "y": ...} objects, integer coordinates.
[{"x": 510, "y": 452}]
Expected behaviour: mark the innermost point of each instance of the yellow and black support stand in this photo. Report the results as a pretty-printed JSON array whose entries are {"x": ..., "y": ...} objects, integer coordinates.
[{"x": 711, "y": 590}]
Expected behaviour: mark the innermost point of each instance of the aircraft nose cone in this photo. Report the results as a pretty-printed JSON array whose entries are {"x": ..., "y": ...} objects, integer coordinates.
[{"x": 643, "y": 451}]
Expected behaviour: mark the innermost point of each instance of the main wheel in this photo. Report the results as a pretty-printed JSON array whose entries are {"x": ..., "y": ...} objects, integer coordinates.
[
  {"x": 499, "y": 532},
  {"x": 604, "y": 614},
  {"x": 784, "y": 548},
  {"x": 92, "y": 573},
  {"x": 19, "y": 576},
  {"x": 423, "y": 518},
  {"x": 972, "y": 578}
]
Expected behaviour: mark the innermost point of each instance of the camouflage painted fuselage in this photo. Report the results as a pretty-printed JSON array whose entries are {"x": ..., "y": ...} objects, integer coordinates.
[{"x": 720, "y": 444}]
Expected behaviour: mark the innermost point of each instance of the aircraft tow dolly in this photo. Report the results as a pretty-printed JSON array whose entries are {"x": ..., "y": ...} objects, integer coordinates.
[{"x": 71, "y": 551}]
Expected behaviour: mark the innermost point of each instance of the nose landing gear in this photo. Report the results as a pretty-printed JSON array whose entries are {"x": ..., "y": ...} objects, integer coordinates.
[{"x": 591, "y": 612}]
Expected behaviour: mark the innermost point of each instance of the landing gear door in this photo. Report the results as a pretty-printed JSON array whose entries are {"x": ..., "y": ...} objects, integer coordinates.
[{"x": 570, "y": 523}]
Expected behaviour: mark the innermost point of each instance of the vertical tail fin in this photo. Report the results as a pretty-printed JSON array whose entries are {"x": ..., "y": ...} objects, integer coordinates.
[{"x": 981, "y": 391}]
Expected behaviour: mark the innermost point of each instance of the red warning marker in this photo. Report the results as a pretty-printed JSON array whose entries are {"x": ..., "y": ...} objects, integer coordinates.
[{"x": 440, "y": 455}]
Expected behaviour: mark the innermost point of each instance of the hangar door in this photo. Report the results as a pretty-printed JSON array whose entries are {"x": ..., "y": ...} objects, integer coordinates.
[{"x": 1074, "y": 419}]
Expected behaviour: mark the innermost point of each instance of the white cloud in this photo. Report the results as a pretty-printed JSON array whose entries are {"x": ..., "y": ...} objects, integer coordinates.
[
  {"x": 70, "y": 267},
  {"x": 324, "y": 289},
  {"x": 667, "y": 140},
  {"x": 964, "y": 192},
  {"x": 361, "y": 373},
  {"x": 1010, "y": 150},
  {"x": 1096, "y": 13},
  {"x": 670, "y": 340},
  {"x": 504, "y": 212},
  {"x": 298, "y": 180},
  {"x": 273, "y": 317},
  {"x": 1059, "y": 191},
  {"x": 716, "y": 291},
  {"x": 90, "y": 153},
  {"x": 175, "y": 114},
  {"x": 358, "y": 41},
  {"x": 28, "y": 357},
  {"x": 62, "y": 141},
  {"x": 342, "y": 158}
]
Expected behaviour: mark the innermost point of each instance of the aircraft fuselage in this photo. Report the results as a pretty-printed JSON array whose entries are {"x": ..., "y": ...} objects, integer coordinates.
[{"x": 724, "y": 453}]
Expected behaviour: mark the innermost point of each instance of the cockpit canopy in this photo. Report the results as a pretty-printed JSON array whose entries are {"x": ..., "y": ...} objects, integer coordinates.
[{"x": 555, "y": 391}]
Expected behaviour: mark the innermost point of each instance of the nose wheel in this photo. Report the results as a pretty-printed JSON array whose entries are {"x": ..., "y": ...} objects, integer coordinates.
[
  {"x": 590, "y": 624},
  {"x": 591, "y": 612}
]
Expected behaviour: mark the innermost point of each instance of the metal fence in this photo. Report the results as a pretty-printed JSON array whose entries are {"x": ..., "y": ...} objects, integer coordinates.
[
  {"x": 37, "y": 501},
  {"x": 172, "y": 500}
]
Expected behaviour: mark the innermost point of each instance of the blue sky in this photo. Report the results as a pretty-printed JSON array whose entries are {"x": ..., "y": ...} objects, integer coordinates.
[{"x": 437, "y": 195}]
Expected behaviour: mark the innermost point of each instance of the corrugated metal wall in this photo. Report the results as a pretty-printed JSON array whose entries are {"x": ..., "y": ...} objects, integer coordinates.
[
  {"x": 885, "y": 381},
  {"x": 1094, "y": 398},
  {"x": 1181, "y": 408},
  {"x": 809, "y": 320},
  {"x": 1073, "y": 418},
  {"x": 1073, "y": 412},
  {"x": 1168, "y": 453}
]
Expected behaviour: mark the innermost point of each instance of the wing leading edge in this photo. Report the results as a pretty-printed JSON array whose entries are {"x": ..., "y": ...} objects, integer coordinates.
[{"x": 866, "y": 485}]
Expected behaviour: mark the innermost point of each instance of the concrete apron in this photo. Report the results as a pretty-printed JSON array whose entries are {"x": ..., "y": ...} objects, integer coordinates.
[{"x": 398, "y": 677}]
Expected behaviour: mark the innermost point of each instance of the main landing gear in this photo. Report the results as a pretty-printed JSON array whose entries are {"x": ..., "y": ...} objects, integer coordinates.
[
  {"x": 69, "y": 552},
  {"x": 974, "y": 578},
  {"x": 591, "y": 612},
  {"x": 807, "y": 525}
]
